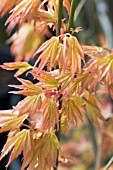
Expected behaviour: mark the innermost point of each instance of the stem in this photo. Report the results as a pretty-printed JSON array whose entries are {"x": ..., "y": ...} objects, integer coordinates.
[
  {"x": 60, "y": 10},
  {"x": 57, "y": 127},
  {"x": 71, "y": 17},
  {"x": 94, "y": 142}
]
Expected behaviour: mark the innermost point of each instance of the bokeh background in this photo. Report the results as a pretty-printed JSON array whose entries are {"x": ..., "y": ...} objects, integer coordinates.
[{"x": 86, "y": 144}]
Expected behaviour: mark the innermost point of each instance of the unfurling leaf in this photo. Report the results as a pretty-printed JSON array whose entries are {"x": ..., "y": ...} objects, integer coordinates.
[
  {"x": 66, "y": 3},
  {"x": 63, "y": 51}
]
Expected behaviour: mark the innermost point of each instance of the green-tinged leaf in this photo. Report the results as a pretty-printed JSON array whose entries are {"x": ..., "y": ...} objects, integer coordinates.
[
  {"x": 7, "y": 115},
  {"x": 46, "y": 44},
  {"x": 21, "y": 66},
  {"x": 11, "y": 122},
  {"x": 48, "y": 54},
  {"x": 64, "y": 125},
  {"x": 50, "y": 114},
  {"x": 23, "y": 144},
  {"x": 47, "y": 146},
  {"x": 64, "y": 80},
  {"x": 28, "y": 88},
  {"x": 92, "y": 108},
  {"x": 17, "y": 141},
  {"x": 29, "y": 105},
  {"x": 72, "y": 111},
  {"x": 48, "y": 81},
  {"x": 71, "y": 89},
  {"x": 27, "y": 160}
]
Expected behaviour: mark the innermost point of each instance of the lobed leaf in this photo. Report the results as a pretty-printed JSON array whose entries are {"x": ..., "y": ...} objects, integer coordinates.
[
  {"x": 48, "y": 81},
  {"x": 72, "y": 111},
  {"x": 21, "y": 66},
  {"x": 9, "y": 120},
  {"x": 92, "y": 108},
  {"x": 28, "y": 88},
  {"x": 22, "y": 9},
  {"x": 17, "y": 141},
  {"x": 50, "y": 115},
  {"x": 29, "y": 105}
]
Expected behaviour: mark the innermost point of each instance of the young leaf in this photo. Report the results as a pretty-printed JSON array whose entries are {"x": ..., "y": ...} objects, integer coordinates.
[
  {"x": 9, "y": 120},
  {"x": 27, "y": 88},
  {"x": 29, "y": 105},
  {"x": 22, "y": 46},
  {"x": 48, "y": 81},
  {"x": 21, "y": 66},
  {"x": 48, "y": 53},
  {"x": 46, "y": 147},
  {"x": 50, "y": 115},
  {"x": 17, "y": 141},
  {"x": 92, "y": 108},
  {"x": 72, "y": 111},
  {"x": 23, "y": 144},
  {"x": 22, "y": 9},
  {"x": 7, "y": 5}
]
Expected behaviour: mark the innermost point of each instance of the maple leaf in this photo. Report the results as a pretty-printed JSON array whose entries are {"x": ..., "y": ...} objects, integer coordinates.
[
  {"x": 7, "y": 5},
  {"x": 48, "y": 81},
  {"x": 49, "y": 51},
  {"x": 72, "y": 111},
  {"x": 100, "y": 69},
  {"x": 22, "y": 46},
  {"x": 27, "y": 88},
  {"x": 21, "y": 66},
  {"x": 92, "y": 108},
  {"x": 22, "y": 9},
  {"x": 50, "y": 115},
  {"x": 10, "y": 120},
  {"x": 46, "y": 152},
  {"x": 64, "y": 125},
  {"x": 29, "y": 105},
  {"x": 48, "y": 16},
  {"x": 64, "y": 51},
  {"x": 19, "y": 141},
  {"x": 71, "y": 89},
  {"x": 94, "y": 50}
]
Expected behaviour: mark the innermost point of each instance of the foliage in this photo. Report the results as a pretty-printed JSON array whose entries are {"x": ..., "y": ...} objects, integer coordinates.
[{"x": 67, "y": 85}]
